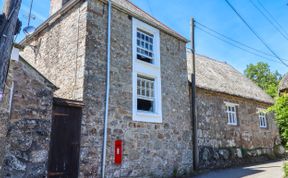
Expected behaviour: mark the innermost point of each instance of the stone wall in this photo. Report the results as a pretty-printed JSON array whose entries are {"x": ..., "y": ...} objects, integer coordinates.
[
  {"x": 5, "y": 105},
  {"x": 29, "y": 125},
  {"x": 78, "y": 68},
  {"x": 222, "y": 145},
  {"x": 58, "y": 52},
  {"x": 149, "y": 150}
]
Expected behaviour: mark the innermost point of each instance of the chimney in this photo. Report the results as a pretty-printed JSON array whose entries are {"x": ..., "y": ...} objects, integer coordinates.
[{"x": 56, "y": 5}]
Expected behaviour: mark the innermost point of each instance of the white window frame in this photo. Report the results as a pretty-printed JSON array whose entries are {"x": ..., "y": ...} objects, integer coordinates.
[
  {"x": 150, "y": 70},
  {"x": 229, "y": 113},
  {"x": 151, "y": 96},
  {"x": 262, "y": 117}
]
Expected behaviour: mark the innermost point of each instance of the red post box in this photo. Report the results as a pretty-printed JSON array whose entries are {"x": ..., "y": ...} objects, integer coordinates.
[{"x": 118, "y": 152}]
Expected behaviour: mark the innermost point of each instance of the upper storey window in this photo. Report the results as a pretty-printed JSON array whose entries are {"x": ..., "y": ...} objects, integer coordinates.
[
  {"x": 145, "y": 46},
  {"x": 146, "y": 43}
]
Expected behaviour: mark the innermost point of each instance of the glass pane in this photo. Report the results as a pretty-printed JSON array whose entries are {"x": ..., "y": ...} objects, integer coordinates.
[
  {"x": 145, "y": 42},
  {"x": 143, "y": 84},
  {"x": 147, "y": 93}
]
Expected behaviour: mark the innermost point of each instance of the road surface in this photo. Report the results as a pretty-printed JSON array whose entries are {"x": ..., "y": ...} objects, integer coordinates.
[{"x": 267, "y": 170}]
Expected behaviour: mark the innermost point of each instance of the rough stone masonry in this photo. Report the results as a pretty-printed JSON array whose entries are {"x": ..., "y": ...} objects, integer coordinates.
[
  {"x": 71, "y": 52},
  {"x": 25, "y": 151},
  {"x": 222, "y": 145}
]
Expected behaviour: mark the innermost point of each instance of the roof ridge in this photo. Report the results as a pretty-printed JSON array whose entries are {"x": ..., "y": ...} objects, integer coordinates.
[{"x": 212, "y": 59}]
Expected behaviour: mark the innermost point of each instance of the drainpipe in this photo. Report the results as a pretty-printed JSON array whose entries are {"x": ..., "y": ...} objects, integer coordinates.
[{"x": 107, "y": 91}]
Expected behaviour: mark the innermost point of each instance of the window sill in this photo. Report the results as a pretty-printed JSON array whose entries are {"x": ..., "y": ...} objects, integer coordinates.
[
  {"x": 262, "y": 127},
  {"x": 156, "y": 66},
  {"x": 230, "y": 124},
  {"x": 147, "y": 117}
]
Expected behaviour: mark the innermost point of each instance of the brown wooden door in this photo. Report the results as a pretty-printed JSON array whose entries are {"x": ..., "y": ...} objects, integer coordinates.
[{"x": 65, "y": 141}]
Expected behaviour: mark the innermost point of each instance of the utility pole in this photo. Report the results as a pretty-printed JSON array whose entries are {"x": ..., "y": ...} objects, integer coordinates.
[
  {"x": 193, "y": 97},
  {"x": 8, "y": 28}
]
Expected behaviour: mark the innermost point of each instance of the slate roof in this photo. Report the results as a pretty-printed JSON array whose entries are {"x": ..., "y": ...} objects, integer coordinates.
[
  {"x": 123, "y": 5},
  {"x": 135, "y": 11},
  {"x": 221, "y": 77},
  {"x": 284, "y": 83}
]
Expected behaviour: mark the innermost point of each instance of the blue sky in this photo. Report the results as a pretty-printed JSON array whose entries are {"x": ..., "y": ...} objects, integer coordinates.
[{"x": 215, "y": 14}]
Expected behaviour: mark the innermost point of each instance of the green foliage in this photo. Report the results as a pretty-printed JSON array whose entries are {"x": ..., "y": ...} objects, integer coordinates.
[
  {"x": 261, "y": 74},
  {"x": 280, "y": 108},
  {"x": 286, "y": 169}
]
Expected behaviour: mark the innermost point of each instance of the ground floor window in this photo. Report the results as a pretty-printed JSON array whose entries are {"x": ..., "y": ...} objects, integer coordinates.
[
  {"x": 145, "y": 94},
  {"x": 262, "y": 120},
  {"x": 231, "y": 110}
]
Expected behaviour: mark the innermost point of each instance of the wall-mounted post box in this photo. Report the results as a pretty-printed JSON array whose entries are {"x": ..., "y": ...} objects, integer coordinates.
[{"x": 118, "y": 152}]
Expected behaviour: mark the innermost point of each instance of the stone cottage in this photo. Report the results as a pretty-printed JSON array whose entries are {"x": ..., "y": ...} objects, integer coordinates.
[
  {"x": 232, "y": 125},
  {"x": 149, "y": 107},
  {"x": 25, "y": 129}
]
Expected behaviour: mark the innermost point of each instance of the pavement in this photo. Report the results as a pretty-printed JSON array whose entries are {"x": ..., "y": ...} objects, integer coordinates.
[{"x": 266, "y": 170}]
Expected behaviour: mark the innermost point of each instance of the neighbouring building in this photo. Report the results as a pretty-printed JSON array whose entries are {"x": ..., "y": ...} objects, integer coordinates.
[
  {"x": 233, "y": 127},
  {"x": 283, "y": 86},
  {"x": 25, "y": 134},
  {"x": 149, "y": 107}
]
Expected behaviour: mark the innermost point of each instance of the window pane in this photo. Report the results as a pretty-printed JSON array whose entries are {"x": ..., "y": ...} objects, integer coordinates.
[
  {"x": 144, "y": 105},
  {"x": 261, "y": 121},
  {"x": 144, "y": 46},
  {"x": 145, "y": 85}
]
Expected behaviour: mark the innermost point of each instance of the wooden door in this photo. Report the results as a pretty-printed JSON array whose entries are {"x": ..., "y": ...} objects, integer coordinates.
[{"x": 65, "y": 139}]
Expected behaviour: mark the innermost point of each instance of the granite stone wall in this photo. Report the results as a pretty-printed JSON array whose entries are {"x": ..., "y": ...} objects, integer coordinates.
[
  {"x": 58, "y": 52},
  {"x": 5, "y": 105},
  {"x": 149, "y": 150},
  {"x": 78, "y": 67},
  {"x": 220, "y": 144},
  {"x": 29, "y": 124}
]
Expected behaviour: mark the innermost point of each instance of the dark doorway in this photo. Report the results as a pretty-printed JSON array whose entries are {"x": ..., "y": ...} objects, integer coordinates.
[{"x": 65, "y": 139}]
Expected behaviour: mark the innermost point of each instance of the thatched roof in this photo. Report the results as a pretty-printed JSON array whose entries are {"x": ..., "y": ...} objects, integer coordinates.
[
  {"x": 222, "y": 77},
  {"x": 284, "y": 83}
]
